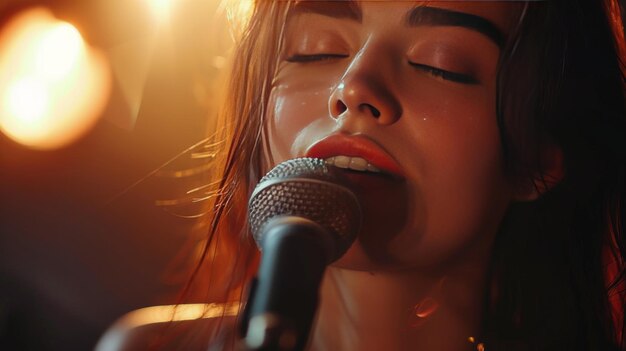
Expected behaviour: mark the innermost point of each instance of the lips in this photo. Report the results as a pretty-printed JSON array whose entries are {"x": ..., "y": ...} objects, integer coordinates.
[{"x": 356, "y": 146}]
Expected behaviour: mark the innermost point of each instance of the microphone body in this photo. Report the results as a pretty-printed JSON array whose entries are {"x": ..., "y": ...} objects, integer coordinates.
[
  {"x": 295, "y": 255},
  {"x": 302, "y": 219}
]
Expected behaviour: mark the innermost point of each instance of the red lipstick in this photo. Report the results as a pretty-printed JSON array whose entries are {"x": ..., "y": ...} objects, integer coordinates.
[{"x": 356, "y": 146}]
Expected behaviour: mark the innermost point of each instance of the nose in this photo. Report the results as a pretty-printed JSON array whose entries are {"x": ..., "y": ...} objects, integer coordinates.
[{"x": 363, "y": 90}]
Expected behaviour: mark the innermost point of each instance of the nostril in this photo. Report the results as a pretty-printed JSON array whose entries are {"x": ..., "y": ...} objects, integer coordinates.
[
  {"x": 340, "y": 107},
  {"x": 373, "y": 110}
]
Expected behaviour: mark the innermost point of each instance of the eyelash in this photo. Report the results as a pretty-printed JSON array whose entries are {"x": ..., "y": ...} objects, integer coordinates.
[
  {"x": 436, "y": 72},
  {"x": 447, "y": 75},
  {"x": 298, "y": 58}
]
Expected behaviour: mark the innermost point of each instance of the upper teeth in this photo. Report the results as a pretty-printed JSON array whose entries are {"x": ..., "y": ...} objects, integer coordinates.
[{"x": 354, "y": 163}]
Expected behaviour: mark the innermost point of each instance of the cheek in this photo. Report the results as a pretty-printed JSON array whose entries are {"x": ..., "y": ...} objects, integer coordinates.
[
  {"x": 459, "y": 192},
  {"x": 297, "y": 115}
]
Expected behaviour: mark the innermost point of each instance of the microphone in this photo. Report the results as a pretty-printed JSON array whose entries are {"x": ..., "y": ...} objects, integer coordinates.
[{"x": 302, "y": 219}]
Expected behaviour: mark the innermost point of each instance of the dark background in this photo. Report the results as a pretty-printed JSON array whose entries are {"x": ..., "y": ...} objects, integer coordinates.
[
  {"x": 82, "y": 240},
  {"x": 80, "y": 245}
]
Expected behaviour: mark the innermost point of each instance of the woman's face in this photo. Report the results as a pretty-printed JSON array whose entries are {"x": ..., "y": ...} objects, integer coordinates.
[{"x": 405, "y": 97}]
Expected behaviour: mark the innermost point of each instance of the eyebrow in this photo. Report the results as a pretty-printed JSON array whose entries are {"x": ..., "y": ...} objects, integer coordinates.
[
  {"x": 434, "y": 16},
  {"x": 418, "y": 16}
]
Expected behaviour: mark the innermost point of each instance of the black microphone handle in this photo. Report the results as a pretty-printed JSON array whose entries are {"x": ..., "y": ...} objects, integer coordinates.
[{"x": 295, "y": 252}]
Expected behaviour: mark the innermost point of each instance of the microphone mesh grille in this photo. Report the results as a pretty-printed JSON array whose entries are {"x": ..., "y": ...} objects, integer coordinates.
[
  {"x": 300, "y": 167},
  {"x": 305, "y": 188}
]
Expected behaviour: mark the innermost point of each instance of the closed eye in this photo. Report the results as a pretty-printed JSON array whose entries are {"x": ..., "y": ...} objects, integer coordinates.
[
  {"x": 447, "y": 75},
  {"x": 300, "y": 58}
]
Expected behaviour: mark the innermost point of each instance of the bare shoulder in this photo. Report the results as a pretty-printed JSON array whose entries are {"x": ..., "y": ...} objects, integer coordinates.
[{"x": 170, "y": 327}]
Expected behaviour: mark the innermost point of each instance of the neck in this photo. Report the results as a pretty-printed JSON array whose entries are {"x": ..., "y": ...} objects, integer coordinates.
[{"x": 399, "y": 310}]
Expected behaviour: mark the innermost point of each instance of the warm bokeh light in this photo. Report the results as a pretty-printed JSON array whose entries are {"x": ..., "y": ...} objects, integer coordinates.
[
  {"x": 238, "y": 13},
  {"x": 27, "y": 99},
  {"x": 53, "y": 87},
  {"x": 160, "y": 9},
  {"x": 59, "y": 50},
  {"x": 244, "y": 8}
]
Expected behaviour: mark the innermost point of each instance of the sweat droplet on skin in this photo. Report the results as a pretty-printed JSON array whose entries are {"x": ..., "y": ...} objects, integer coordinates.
[
  {"x": 422, "y": 311},
  {"x": 426, "y": 307}
]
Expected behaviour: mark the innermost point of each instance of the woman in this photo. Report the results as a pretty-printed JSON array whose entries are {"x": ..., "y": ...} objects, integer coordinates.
[{"x": 486, "y": 142}]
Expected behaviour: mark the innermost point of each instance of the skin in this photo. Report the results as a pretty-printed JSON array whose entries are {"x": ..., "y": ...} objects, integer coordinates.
[{"x": 426, "y": 237}]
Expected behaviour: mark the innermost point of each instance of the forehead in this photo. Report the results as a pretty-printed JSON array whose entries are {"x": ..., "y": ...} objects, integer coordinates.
[{"x": 501, "y": 14}]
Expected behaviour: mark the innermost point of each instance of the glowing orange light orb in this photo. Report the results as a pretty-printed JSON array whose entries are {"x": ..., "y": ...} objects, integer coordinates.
[{"x": 53, "y": 87}]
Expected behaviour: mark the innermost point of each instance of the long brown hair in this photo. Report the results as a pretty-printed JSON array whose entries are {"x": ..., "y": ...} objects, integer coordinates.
[
  {"x": 561, "y": 82},
  {"x": 228, "y": 251}
]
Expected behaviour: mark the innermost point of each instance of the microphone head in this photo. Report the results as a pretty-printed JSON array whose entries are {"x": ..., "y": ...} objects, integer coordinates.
[{"x": 305, "y": 187}]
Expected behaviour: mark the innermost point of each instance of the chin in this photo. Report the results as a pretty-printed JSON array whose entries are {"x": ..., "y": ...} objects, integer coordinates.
[{"x": 358, "y": 259}]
